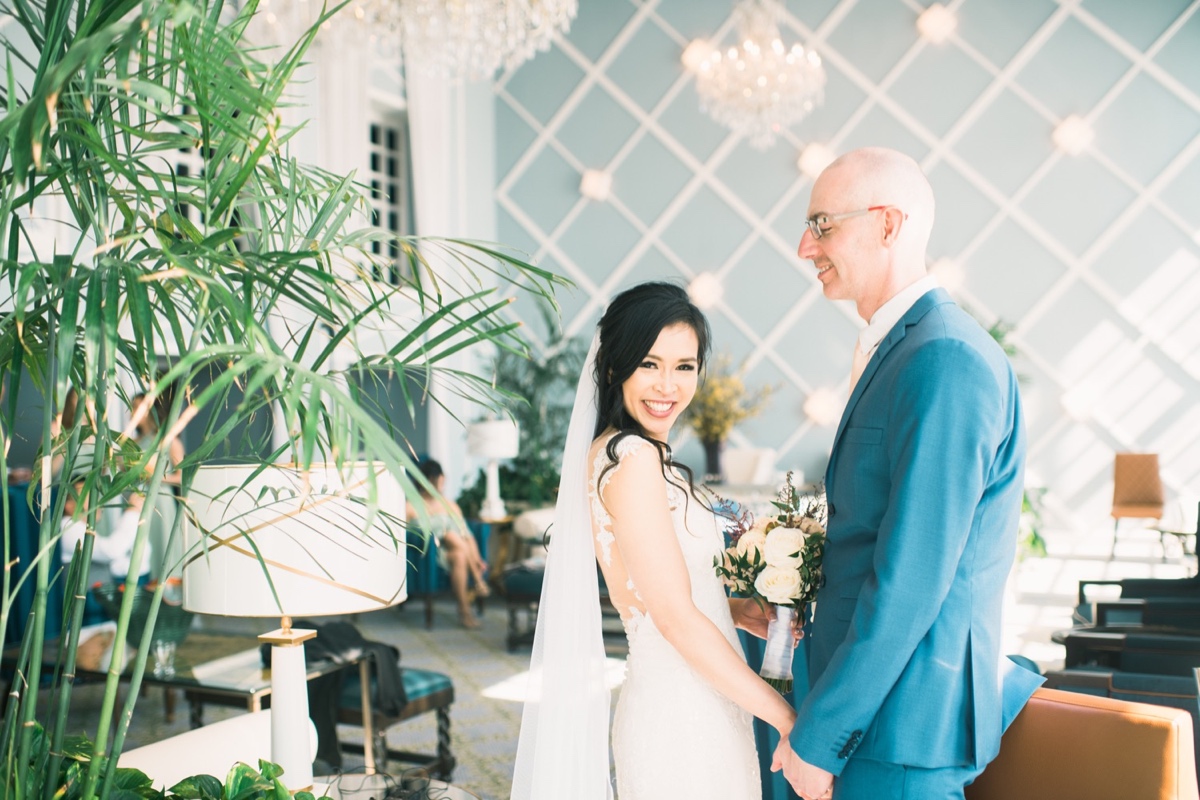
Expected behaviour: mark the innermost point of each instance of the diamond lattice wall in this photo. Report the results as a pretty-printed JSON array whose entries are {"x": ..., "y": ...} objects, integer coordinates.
[{"x": 1093, "y": 258}]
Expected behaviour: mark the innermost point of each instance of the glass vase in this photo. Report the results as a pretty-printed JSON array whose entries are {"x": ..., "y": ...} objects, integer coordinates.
[{"x": 712, "y": 462}]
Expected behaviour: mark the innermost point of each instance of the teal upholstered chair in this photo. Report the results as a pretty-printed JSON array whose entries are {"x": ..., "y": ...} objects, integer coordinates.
[
  {"x": 426, "y": 578},
  {"x": 426, "y": 691}
]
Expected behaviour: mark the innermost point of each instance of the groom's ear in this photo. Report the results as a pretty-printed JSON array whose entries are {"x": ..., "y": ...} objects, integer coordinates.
[{"x": 892, "y": 224}]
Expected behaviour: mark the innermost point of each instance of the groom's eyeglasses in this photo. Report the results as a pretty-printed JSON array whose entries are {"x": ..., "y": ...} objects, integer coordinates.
[{"x": 819, "y": 225}]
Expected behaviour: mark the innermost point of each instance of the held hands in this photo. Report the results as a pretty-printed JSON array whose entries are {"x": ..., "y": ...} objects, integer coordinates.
[{"x": 808, "y": 781}]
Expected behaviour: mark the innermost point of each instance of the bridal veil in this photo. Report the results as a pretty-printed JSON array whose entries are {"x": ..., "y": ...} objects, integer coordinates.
[{"x": 563, "y": 749}]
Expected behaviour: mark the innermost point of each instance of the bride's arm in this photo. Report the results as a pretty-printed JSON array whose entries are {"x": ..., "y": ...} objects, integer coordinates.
[{"x": 636, "y": 498}]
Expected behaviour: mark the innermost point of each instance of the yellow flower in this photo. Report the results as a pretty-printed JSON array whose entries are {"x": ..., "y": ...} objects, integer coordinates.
[{"x": 722, "y": 401}]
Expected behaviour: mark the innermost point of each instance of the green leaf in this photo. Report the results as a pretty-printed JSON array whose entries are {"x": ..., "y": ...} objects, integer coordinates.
[
  {"x": 244, "y": 782},
  {"x": 133, "y": 781},
  {"x": 198, "y": 787}
]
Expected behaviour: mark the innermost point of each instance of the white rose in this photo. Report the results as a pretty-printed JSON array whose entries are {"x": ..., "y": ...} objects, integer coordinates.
[
  {"x": 761, "y": 523},
  {"x": 783, "y": 548},
  {"x": 750, "y": 543},
  {"x": 780, "y": 586}
]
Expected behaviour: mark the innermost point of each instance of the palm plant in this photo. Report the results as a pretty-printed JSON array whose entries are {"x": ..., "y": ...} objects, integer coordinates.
[
  {"x": 539, "y": 392},
  {"x": 256, "y": 270}
]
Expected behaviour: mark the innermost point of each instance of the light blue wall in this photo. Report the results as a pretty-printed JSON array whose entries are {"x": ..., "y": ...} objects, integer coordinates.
[{"x": 1093, "y": 258}]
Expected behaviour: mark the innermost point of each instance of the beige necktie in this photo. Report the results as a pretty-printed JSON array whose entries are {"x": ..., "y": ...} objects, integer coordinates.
[{"x": 860, "y": 363}]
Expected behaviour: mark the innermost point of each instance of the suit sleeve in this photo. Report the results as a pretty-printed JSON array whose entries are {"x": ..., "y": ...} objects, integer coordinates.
[{"x": 941, "y": 435}]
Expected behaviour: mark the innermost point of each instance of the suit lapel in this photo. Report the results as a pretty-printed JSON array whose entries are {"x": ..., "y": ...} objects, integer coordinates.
[{"x": 924, "y": 304}]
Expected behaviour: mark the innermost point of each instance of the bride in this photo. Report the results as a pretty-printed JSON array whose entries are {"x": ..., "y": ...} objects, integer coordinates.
[{"x": 682, "y": 724}]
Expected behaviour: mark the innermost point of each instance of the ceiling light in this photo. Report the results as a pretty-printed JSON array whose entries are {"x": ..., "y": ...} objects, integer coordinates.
[
  {"x": 706, "y": 290},
  {"x": 936, "y": 23},
  {"x": 596, "y": 185},
  {"x": 696, "y": 53},
  {"x": 814, "y": 159},
  {"x": 1073, "y": 135},
  {"x": 949, "y": 274},
  {"x": 824, "y": 406}
]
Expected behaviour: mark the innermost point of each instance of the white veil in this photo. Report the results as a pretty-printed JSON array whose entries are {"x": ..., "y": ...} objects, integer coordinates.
[{"x": 563, "y": 750}]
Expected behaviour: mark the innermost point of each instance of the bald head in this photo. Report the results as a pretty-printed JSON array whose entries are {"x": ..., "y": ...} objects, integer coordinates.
[
  {"x": 874, "y": 209},
  {"x": 876, "y": 176}
]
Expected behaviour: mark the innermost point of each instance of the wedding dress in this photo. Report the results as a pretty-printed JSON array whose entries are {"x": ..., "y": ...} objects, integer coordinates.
[{"x": 673, "y": 735}]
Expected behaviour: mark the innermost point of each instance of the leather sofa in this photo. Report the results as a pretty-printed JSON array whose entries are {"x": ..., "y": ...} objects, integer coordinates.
[{"x": 1065, "y": 745}]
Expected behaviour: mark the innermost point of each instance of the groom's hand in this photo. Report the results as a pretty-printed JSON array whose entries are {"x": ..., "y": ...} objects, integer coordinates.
[{"x": 811, "y": 783}]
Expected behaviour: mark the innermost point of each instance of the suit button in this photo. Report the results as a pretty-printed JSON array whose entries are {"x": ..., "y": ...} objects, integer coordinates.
[{"x": 832, "y": 510}]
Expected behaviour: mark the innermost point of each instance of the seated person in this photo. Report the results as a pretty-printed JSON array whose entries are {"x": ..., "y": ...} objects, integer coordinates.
[
  {"x": 458, "y": 553},
  {"x": 110, "y": 553}
]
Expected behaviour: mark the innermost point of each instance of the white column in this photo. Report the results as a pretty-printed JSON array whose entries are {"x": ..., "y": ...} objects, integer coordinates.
[{"x": 452, "y": 126}]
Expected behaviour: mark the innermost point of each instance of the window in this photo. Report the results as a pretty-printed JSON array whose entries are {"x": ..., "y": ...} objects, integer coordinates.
[{"x": 391, "y": 208}]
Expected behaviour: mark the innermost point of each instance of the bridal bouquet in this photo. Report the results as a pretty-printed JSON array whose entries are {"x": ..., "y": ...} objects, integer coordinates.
[{"x": 777, "y": 560}]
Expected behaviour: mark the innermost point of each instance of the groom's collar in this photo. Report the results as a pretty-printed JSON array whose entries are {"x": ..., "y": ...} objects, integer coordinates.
[
  {"x": 888, "y": 314},
  {"x": 911, "y": 316}
]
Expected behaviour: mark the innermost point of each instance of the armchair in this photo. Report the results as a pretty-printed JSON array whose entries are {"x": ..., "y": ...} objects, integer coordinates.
[
  {"x": 1174, "y": 691},
  {"x": 1067, "y": 745}
]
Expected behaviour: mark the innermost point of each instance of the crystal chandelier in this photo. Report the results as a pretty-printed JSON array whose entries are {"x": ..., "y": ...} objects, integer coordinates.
[
  {"x": 758, "y": 87},
  {"x": 466, "y": 38}
]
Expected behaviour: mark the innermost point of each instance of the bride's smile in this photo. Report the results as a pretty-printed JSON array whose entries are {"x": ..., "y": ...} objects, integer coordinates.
[{"x": 664, "y": 383}]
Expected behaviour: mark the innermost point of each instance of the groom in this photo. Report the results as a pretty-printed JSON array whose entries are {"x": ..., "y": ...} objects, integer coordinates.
[{"x": 909, "y": 693}]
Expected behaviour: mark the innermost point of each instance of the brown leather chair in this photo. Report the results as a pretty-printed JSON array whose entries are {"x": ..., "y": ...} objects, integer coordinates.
[
  {"x": 1137, "y": 489},
  {"x": 1068, "y": 746}
]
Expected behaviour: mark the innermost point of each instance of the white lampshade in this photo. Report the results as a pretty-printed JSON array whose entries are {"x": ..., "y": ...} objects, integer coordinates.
[
  {"x": 320, "y": 557},
  {"x": 324, "y": 552},
  {"x": 493, "y": 438}
]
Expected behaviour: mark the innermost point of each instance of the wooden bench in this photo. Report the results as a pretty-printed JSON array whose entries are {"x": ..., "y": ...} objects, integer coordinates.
[{"x": 426, "y": 691}]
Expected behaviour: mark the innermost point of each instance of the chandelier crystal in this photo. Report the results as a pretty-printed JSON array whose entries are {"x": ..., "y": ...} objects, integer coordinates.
[
  {"x": 759, "y": 87},
  {"x": 466, "y": 38}
]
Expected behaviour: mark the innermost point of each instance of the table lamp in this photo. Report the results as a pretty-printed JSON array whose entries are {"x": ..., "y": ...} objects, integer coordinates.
[
  {"x": 493, "y": 439},
  {"x": 323, "y": 554}
]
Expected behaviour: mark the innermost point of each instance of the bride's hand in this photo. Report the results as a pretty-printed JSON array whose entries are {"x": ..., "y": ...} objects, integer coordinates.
[
  {"x": 753, "y": 618},
  {"x": 749, "y": 616}
]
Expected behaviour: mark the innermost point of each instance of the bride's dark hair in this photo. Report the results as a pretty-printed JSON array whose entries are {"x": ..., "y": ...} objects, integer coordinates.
[{"x": 628, "y": 329}]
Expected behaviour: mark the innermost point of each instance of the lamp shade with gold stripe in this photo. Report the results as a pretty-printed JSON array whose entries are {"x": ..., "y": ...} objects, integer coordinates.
[
  {"x": 281, "y": 542},
  {"x": 312, "y": 533}
]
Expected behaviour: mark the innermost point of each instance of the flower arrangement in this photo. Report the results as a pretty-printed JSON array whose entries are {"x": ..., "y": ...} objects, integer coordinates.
[
  {"x": 777, "y": 560},
  {"x": 722, "y": 401}
]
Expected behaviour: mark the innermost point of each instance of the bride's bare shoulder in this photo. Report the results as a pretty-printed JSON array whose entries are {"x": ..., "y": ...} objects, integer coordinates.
[
  {"x": 633, "y": 460},
  {"x": 628, "y": 446}
]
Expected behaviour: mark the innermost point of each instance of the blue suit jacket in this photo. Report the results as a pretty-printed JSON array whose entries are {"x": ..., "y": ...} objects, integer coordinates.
[{"x": 924, "y": 486}]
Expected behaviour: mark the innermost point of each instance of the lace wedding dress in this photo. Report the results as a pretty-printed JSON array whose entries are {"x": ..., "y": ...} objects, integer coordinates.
[{"x": 673, "y": 735}]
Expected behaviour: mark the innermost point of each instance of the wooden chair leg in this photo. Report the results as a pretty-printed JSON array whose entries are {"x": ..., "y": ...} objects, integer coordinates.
[
  {"x": 381, "y": 749},
  {"x": 445, "y": 765},
  {"x": 429, "y": 611},
  {"x": 169, "y": 703}
]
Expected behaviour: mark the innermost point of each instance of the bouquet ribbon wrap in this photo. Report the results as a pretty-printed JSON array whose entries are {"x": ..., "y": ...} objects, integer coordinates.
[{"x": 777, "y": 660}]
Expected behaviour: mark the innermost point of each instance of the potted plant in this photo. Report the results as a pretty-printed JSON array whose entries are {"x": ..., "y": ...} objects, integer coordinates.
[
  {"x": 721, "y": 402},
  {"x": 1030, "y": 541},
  {"x": 246, "y": 279},
  {"x": 539, "y": 391}
]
